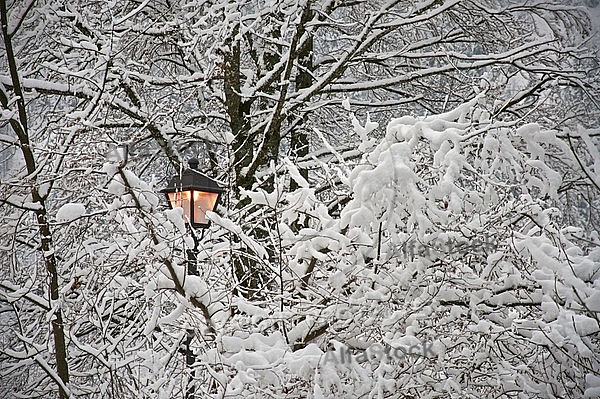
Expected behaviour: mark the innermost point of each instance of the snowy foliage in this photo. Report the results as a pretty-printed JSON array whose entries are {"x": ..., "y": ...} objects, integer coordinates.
[
  {"x": 401, "y": 174},
  {"x": 516, "y": 319}
]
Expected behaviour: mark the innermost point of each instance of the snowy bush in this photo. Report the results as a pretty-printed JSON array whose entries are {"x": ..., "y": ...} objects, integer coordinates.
[
  {"x": 516, "y": 319},
  {"x": 371, "y": 243}
]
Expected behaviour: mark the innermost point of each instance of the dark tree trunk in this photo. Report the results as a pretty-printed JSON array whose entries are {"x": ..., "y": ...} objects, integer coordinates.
[
  {"x": 238, "y": 110},
  {"x": 46, "y": 246},
  {"x": 299, "y": 140}
]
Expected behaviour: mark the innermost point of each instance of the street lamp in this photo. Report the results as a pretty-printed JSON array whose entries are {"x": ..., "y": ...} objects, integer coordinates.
[{"x": 196, "y": 194}]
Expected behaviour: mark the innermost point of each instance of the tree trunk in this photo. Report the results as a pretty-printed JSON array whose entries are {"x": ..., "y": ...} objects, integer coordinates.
[
  {"x": 299, "y": 141},
  {"x": 238, "y": 110},
  {"x": 20, "y": 128}
]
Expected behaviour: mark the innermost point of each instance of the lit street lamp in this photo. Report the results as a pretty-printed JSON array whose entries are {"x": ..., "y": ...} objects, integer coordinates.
[{"x": 196, "y": 194}]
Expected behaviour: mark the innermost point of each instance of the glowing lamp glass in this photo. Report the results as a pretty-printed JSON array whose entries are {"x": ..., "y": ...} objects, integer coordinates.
[{"x": 195, "y": 193}]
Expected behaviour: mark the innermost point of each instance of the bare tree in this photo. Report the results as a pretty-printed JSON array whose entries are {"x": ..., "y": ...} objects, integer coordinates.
[{"x": 280, "y": 99}]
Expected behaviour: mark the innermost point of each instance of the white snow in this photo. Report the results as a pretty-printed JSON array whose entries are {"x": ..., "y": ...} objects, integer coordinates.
[
  {"x": 69, "y": 212},
  {"x": 593, "y": 302},
  {"x": 175, "y": 216},
  {"x": 346, "y": 104}
]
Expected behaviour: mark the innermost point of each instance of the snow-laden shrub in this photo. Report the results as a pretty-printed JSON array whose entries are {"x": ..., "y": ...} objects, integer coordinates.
[
  {"x": 448, "y": 243},
  {"x": 430, "y": 263}
]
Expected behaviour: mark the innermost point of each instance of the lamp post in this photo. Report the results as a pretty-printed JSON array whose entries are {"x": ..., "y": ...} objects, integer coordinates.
[{"x": 196, "y": 194}]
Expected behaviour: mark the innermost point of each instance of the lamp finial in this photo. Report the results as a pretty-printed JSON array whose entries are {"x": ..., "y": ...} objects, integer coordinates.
[{"x": 193, "y": 162}]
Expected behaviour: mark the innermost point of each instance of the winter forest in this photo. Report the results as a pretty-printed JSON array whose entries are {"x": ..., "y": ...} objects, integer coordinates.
[{"x": 410, "y": 206}]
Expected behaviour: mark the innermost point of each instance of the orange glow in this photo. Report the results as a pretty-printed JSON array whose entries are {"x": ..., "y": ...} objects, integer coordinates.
[
  {"x": 200, "y": 200},
  {"x": 181, "y": 199},
  {"x": 203, "y": 202}
]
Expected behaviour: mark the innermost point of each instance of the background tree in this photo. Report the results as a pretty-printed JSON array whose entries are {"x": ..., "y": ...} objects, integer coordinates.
[{"x": 322, "y": 201}]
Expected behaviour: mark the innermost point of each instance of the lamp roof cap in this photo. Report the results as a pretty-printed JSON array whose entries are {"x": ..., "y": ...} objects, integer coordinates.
[{"x": 192, "y": 179}]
